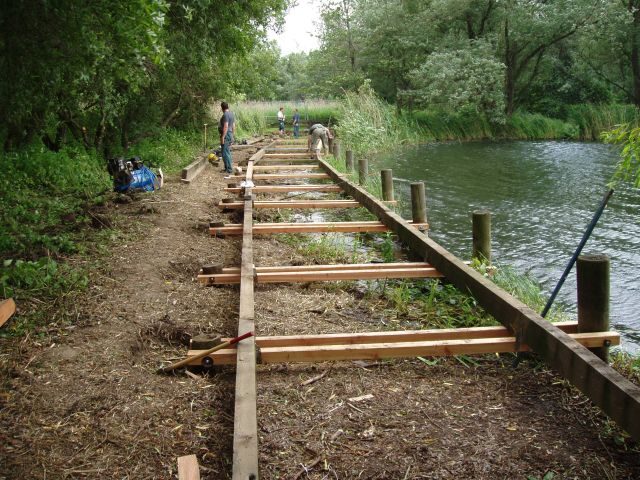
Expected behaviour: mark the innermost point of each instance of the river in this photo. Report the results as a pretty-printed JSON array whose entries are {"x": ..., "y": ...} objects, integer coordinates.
[{"x": 542, "y": 196}]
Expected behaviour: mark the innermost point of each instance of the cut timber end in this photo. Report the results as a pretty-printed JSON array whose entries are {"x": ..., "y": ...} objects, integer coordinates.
[
  {"x": 7, "y": 309},
  {"x": 188, "y": 468}
]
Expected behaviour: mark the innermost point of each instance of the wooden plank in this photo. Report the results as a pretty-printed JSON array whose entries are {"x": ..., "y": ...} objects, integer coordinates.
[
  {"x": 286, "y": 188},
  {"x": 301, "y": 166},
  {"x": 322, "y": 275},
  {"x": 409, "y": 349},
  {"x": 343, "y": 227},
  {"x": 289, "y": 155},
  {"x": 7, "y": 309},
  {"x": 191, "y": 171},
  {"x": 276, "y": 176},
  {"x": 245, "y": 421},
  {"x": 613, "y": 393},
  {"x": 296, "y": 204},
  {"x": 188, "y": 468},
  {"x": 334, "y": 267},
  {"x": 394, "y": 336}
]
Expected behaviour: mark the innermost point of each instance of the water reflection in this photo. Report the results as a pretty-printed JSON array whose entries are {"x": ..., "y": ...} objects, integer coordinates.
[{"x": 542, "y": 196}]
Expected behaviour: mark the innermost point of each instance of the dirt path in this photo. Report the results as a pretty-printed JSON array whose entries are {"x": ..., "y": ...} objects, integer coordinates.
[{"x": 85, "y": 401}]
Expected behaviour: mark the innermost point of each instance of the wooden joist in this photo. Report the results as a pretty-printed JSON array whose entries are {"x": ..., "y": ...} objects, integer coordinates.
[
  {"x": 296, "y": 204},
  {"x": 613, "y": 393},
  {"x": 286, "y": 188},
  {"x": 306, "y": 155},
  {"x": 312, "y": 273},
  {"x": 301, "y": 166},
  {"x": 319, "y": 227},
  {"x": 276, "y": 176},
  {"x": 188, "y": 468},
  {"x": 402, "y": 349}
]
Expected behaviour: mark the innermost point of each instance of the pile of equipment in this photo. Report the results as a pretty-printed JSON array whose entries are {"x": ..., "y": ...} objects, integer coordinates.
[{"x": 132, "y": 175}]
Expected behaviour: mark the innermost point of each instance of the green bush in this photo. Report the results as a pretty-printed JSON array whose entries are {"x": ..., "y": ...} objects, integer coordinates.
[
  {"x": 171, "y": 149},
  {"x": 593, "y": 120}
]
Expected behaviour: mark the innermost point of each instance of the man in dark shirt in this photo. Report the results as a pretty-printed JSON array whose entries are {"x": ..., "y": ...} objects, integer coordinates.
[
  {"x": 296, "y": 124},
  {"x": 226, "y": 128}
]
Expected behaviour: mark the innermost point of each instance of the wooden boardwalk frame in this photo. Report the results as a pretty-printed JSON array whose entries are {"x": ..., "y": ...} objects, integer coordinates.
[
  {"x": 608, "y": 389},
  {"x": 560, "y": 346}
]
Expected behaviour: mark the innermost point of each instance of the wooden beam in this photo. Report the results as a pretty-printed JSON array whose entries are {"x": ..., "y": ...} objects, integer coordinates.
[
  {"x": 286, "y": 188},
  {"x": 320, "y": 227},
  {"x": 327, "y": 275},
  {"x": 245, "y": 420},
  {"x": 276, "y": 176},
  {"x": 409, "y": 349},
  {"x": 394, "y": 336},
  {"x": 289, "y": 155},
  {"x": 188, "y": 468},
  {"x": 7, "y": 309},
  {"x": 296, "y": 204},
  {"x": 301, "y": 166},
  {"x": 614, "y": 394}
]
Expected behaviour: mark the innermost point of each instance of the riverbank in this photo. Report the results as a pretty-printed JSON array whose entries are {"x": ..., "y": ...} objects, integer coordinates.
[{"x": 81, "y": 398}]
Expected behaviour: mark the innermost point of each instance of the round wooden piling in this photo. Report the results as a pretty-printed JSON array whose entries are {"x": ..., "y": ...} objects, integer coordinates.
[
  {"x": 481, "y": 235},
  {"x": 386, "y": 176},
  {"x": 363, "y": 170},
  {"x": 349, "y": 160},
  {"x": 336, "y": 149},
  {"x": 593, "y": 297},
  {"x": 418, "y": 203}
]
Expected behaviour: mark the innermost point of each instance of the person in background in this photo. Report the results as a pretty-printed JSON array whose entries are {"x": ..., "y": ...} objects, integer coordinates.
[
  {"x": 226, "y": 128},
  {"x": 296, "y": 124},
  {"x": 318, "y": 133},
  {"x": 281, "y": 120}
]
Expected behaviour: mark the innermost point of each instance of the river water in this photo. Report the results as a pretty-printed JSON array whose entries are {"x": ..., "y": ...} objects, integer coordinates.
[{"x": 542, "y": 196}]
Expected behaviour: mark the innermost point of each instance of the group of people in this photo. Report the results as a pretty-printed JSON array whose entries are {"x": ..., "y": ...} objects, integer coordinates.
[
  {"x": 296, "y": 122},
  {"x": 319, "y": 135}
]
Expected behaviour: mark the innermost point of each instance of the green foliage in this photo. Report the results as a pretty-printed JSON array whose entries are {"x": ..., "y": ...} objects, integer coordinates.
[
  {"x": 44, "y": 278},
  {"x": 170, "y": 149},
  {"x": 628, "y": 168},
  {"x": 43, "y": 195},
  {"x": 464, "y": 80},
  {"x": 594, "y": 120},
  {"x": 367, "y": 123}
]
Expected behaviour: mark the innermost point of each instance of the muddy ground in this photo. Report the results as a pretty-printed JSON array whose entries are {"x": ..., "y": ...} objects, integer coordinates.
[{"x": 82, "y": 399}]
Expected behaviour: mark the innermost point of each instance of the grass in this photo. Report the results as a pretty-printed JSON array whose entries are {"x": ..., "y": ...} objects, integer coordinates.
[
  {"x": 255, "y": 118},
  {"x": 593, "y": 120},
  {"x": 47, "y": 204}
]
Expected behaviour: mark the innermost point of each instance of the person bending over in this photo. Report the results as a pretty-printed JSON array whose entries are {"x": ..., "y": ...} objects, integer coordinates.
[{"x": 318, "y": 133}]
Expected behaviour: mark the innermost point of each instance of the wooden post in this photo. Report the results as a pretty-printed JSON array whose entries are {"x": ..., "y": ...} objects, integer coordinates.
[
  {"x": 481, "y": 235},
  {"x": 336, "y": 149},
  {"x": 387, "y": 184},
  {"x": 349, "y": 161},
  {"x": 329, "y": 148},
  {"x": 593, "y": 297},
  {"x": 418, "y": 203},
  {"x": 205, "y": 136},
  {"x": 363, "y": 170}
]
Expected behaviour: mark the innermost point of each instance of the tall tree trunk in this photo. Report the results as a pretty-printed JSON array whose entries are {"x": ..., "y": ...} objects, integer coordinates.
[
  {"x": 635, "y": 57},
  {"x": 510, "y": 72}
]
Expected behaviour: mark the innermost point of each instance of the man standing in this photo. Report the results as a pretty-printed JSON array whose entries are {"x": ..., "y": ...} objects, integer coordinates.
[
  {"x": 226, "y": 128},
  {"x": 281, "y": 120},
  {"x": 296, "y": 124},
  {"x": 318, "y": 133}
]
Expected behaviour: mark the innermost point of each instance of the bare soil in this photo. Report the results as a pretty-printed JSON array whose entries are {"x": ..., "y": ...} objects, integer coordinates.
[{"x": 82, "y": 399}]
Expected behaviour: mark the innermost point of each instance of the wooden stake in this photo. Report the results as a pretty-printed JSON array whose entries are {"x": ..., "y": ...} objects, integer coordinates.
[
  {"x": 363, "y": 170},
  {"x": 418, "y": 203},
  {"x": 336, "y": 149},
  {"x": 481, "y": 235},
  {"x": 349, "y": 161},
  {"x": 593, "y": 297},
  {"x": 386, "y": 176}
]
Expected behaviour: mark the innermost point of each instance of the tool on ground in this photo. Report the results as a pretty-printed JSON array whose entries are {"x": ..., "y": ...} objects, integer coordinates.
[
  {"x": 204, "y": 353},
  {"x": 573, "y": 259}
]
